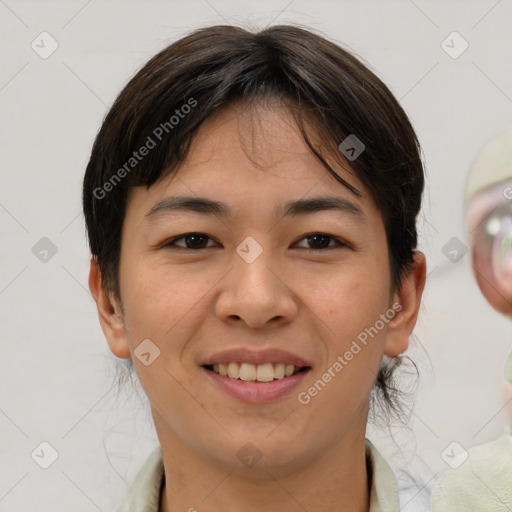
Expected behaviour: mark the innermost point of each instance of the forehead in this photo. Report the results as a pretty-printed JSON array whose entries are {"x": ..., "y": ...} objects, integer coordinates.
[
  {"x": 251, "y": 155},
  {"x": 264, "y": 134}
]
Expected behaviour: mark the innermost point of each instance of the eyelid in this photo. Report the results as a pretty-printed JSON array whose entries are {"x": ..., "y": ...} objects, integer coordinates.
[
  {"x": 171, "y": 241},
  {"x": 339, "y": 242}
]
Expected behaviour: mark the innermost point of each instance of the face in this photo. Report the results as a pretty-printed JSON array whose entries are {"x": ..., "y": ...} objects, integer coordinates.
[{"x": 252, "y": 278}]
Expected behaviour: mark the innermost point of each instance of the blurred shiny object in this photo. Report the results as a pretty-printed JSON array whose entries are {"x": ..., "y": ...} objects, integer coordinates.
[{"x": 489, "y": 221}]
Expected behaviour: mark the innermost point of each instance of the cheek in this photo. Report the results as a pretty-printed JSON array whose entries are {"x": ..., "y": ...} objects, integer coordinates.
[
  {"x": 160, "y": 304},
  {"x": 349, "y": 307},
  {"x": 354, "y": 335},
  {"x": 350, "y": 300},
  {"x": 171, "y": 306}
]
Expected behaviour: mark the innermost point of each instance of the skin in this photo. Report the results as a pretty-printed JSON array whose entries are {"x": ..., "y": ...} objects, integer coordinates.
[{"x": 307, "y": 300}]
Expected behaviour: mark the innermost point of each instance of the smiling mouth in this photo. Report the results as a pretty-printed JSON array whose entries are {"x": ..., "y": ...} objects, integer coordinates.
[{"x": 256, "y": 372}]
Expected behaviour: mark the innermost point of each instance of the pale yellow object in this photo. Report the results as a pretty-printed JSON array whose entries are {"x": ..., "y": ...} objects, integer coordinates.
[
  {"x": 492, "y": 165},
  {"x": 482, "y": 484}
]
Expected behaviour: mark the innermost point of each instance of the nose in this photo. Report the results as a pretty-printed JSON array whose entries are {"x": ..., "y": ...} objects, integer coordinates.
[{"x": 256, "y": 294}]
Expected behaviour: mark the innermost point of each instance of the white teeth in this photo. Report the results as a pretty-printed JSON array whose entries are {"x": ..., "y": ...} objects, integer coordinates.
[
  {"x": 279, "y": 371},
  {"x": 265, "y": 372},
  {"x": 250, "y": 372},
  {"x": 247, "y": 372},
  {"x": 233, "y": 370}
]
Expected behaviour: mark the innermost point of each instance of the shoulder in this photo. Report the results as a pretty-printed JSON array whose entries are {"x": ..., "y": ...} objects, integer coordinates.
[{"x": 482, "y": 482}]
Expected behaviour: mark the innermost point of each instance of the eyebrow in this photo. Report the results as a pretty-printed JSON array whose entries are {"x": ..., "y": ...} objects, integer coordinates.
[{"x": 205, "y": 206}]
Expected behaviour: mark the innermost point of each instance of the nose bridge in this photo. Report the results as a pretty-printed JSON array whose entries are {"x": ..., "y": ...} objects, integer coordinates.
[
  {"x": 253, "y": 277},
  {"x": 254, "y": 291}
]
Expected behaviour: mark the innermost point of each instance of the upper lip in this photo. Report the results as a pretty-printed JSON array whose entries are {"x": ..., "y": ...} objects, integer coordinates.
[{"x": 256, "y": 357}]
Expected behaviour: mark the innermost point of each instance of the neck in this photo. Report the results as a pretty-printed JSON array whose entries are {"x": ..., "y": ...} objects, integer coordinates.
[{"x": 336, "y": 478}]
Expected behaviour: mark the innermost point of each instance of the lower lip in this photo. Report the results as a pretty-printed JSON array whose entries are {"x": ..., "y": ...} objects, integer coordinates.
[{"x": 257, "y": 392}]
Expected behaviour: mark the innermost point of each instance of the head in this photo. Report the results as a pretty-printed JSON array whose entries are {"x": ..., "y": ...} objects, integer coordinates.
[{"x": 256, "y": 192}]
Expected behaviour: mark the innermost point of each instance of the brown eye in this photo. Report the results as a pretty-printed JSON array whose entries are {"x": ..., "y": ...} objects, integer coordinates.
[
  {"x": 193, "y": 241},
  {"x": 318, "y": 241}
]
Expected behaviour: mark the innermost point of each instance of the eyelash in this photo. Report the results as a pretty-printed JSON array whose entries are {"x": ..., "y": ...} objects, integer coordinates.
[{"x": 170, "y": 243}]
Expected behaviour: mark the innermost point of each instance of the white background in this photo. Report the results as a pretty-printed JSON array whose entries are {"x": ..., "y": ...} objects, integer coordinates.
[{"x": 56, "y": 373}]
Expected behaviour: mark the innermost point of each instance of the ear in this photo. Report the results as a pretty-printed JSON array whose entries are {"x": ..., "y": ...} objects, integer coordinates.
[
  {"x": 109, "y": 312},
  {"x": 406, "y": 303}
]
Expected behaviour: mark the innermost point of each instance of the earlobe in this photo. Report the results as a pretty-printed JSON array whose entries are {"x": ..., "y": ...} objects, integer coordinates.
[
  {"x": 409, "y": 299},
  {"x": 109, "y": 313}
]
